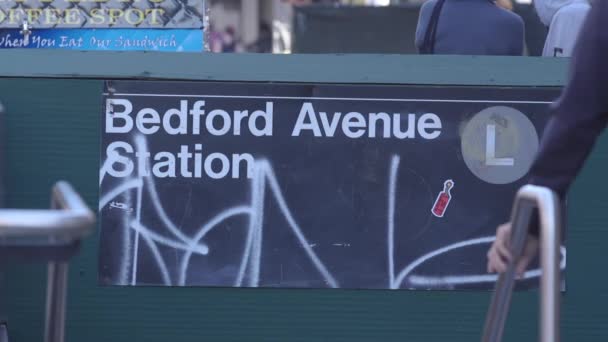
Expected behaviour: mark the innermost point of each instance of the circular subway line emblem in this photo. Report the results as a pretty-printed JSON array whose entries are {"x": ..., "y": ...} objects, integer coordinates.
[{"x": 499, "y": 144}]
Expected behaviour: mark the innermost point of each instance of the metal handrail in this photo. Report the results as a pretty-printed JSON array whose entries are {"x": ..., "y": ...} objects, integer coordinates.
[
  {"x": 68, "y": 222},
  {"x": 547, "y": 203},
  {"x": 73, "y": 221}
]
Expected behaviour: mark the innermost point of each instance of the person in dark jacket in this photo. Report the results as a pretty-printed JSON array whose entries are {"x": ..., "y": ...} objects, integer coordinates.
[
  {"x": 468, "y": 27},
  {"x": 579, "y": 116}
]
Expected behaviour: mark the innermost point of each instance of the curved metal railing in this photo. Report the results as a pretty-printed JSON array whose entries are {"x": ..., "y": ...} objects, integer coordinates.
[
  {"x": 528, "y": 198},
  {"x": 73, "y": 219}
]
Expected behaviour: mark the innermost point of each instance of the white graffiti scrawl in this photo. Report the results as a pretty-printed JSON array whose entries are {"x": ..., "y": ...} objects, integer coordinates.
[
  {"x": 251, "y": 258},
  {"x": 262, "y": 185}
]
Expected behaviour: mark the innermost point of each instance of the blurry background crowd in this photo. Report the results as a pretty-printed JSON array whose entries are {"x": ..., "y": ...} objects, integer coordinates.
[{"x": 377, "y": 26}]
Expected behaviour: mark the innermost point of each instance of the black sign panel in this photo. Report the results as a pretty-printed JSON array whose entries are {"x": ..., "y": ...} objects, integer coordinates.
[{"x": 314, "y": 186}]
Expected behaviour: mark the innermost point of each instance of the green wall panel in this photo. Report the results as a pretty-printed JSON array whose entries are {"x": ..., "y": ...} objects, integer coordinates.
[
  {"x": 355, "y": 68},
  {"x": 53, "y": 133}
]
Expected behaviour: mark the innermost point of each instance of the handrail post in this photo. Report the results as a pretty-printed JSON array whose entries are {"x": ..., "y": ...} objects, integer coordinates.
[
  {"x": 56, "y": 297},
  {"x": 550, "y": 276},
  {"x": 56, "y": 288}
]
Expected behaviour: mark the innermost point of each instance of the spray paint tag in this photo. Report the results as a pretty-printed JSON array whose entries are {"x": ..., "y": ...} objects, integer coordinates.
[{"x": 443, "y": 199}]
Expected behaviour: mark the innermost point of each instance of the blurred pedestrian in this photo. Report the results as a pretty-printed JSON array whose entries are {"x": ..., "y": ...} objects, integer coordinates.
[
  {"x": 469, "y": 27},
  {"x": 564, "y": 18}
]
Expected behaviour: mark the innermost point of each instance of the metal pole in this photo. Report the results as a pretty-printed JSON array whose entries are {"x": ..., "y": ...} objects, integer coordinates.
[
  {"x": 501, "y": 299},
  {"x": 550, "y": 277},
  {"x": 56, "y": 295},
  {"x": 56, "y": 292}
]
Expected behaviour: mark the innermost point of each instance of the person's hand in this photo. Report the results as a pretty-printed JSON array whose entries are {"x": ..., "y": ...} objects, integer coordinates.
[
  {"x": 506, "y": 4},
  {"x": 499, "y": 254}
]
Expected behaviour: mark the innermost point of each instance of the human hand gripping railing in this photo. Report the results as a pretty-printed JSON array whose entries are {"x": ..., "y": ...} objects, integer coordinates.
[
  {"x": 547, "y": 203},
  {"x": 69, "y": 222}
]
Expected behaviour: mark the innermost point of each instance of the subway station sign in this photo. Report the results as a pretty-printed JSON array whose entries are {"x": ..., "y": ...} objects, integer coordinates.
[
  {"x": 154, "y": 25},
  {"x": 310, "y": 185}
]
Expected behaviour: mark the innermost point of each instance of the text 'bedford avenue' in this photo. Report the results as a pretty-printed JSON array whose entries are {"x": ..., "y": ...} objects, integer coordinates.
[
  {"x": 121, "y": 118},
  {"x": 196, "y": 118}
]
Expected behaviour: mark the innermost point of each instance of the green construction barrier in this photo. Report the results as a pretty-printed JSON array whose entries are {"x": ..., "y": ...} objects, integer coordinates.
[{"x": 53, "y": 114}]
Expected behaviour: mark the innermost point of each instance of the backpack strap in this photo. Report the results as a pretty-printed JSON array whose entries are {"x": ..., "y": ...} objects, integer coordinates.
[{"x": 428, "y": 45}]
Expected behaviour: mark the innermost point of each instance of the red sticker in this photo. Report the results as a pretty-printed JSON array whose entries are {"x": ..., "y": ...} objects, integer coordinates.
[{"x": 443, "y": 199}]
